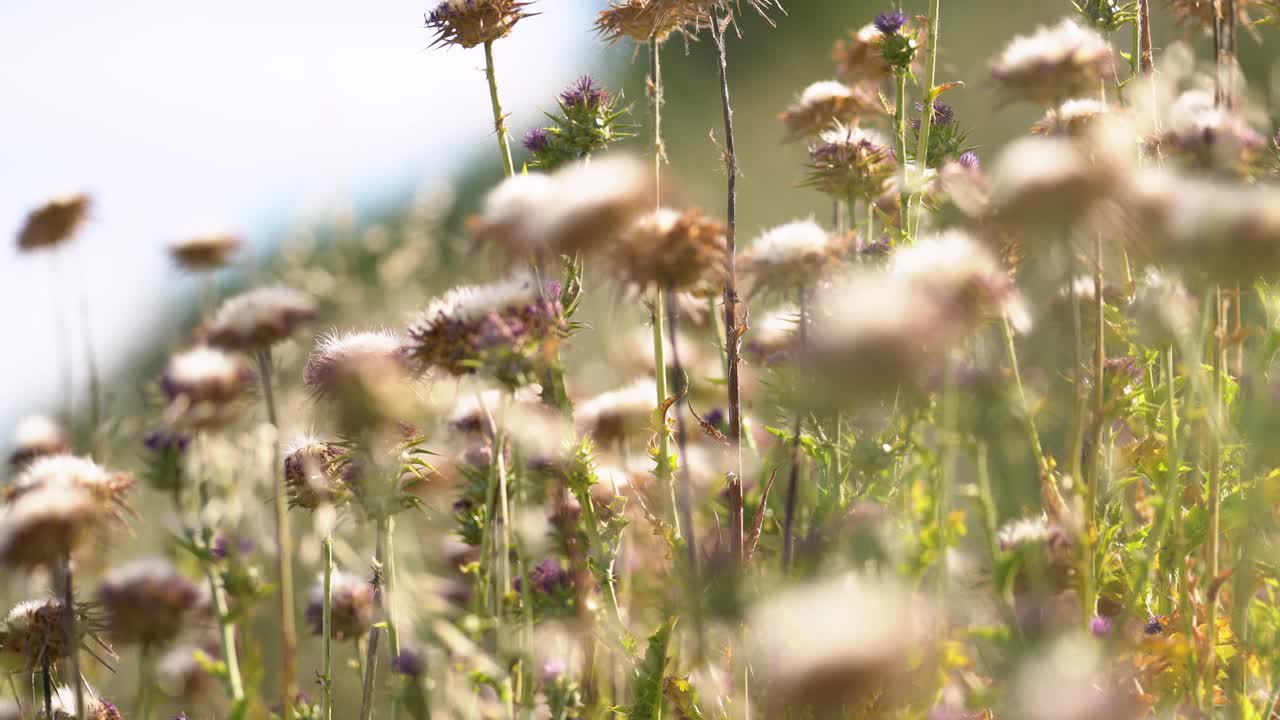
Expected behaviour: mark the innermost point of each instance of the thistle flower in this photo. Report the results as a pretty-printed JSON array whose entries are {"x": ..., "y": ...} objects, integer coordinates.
[
  {"x": 205, "y": 252},
  {"x": 362, "y": 375},
  {"x": 33, "y": 633},
  {"x": 947, "y": 139},
  {"x": 314, "y": 473},
  {"x": 773, "y": 336},
  {"x": 1107, "y": 16},
  {"x": 614, "y": 416},
  {"x": 468, "y": 23},
  {"x": 36, "y": 436},
  {"x": 147, "y": 602},
  {"x": 588, "y": 121},
  {"x": 580, "y": 208},
  {"x": 858, "y": 57},
  {"x": 181, "y": 675},
  {"x": 95, "y": 707},
  {"x": 504, "y": 328},
  {"x": 45, "y": 526},
  {"x": 834, "y": 644},
  {"x": 1207, "y": 138},
  {"x": 1072, "y": 118},
  {"x": 963, "y": 274},
  {"x": 1202, "y": 12},
  {"x": 1053, "y": 64},
  {"x": 1047, "y": 183},
  {"x": 825, "y": 103},
  {"x": 205, "y": 387},
  {"x": 898, "y": 42},
  {"x": 673, "y": 250},
  {"x": 850, "y": 162},
  {"x": 410, "y": 663},
  {"x": 258, "y": 319},
  {"x": 790, "y": 256},
  {"x": 54, "y": 222},
  {"x": 889, "y": 23},
  {"x": 547, "y": 577},
  {"x": 351, "y": 607},
  {"x": 105, "y": 487}
]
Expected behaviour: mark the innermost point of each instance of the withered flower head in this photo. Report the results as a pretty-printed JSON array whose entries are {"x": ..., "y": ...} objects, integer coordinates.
[
  {"x": 1206, "y": 138},
  {"x": 858, "y": 57},
  {"x": 33, "y": 632},
  {"x": 44, "y": 526},
  {"x": 205, "y": 252},
  {"x": 314, "y": 474},
  {"x": 54, "y": 222},
  {"x": 836, "y": 643},
  {"x": 1202, "y": 12},
  {"x": 351, "y": 603},
  {"x": 579, "y": 208},
  {"x": 502, "y": 328},
  {"x": 962, "y": 274},
  {"x": 850, "y": 162},
  {"x": 468, "y": 23},
  {"x": 147, "y": 602},
  {"x": 673, "y": 250},
  {"x": 791, "y": 256},
  {"x": 95, "y": 707},
  {"x": 613, "y": 416},
  {"x": 1073, "y": 118},
  {"x": 825, "y": 103},
  {"x": 1047, "y": 183},
  {"x": 645, "y": 20},
  {"x": 339, "y": 360},
  {"x": 205, "y": 387},
  {"x": 1053, "y": 64},
  {"x": 36, "y": 436},
  {"x": 259, "y": 318}
]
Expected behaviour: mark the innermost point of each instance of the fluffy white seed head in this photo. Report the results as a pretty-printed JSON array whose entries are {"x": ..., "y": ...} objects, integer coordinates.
[
  {"x": 259, "y": 318},
  {"x": 36, "y": 436},
  {"x": 612, "y": 416},
  {"x": 45, "y": 525},
  {"x": 1053, "y": 63}
]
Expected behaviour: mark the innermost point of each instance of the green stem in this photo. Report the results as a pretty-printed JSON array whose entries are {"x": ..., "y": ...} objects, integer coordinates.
[
  {"x": 942, "y": 494},
  {"x": 284, "y": 543},
  {"x": 499, "y": 120},
  {"x": 1215, "y": 498},
  {"x": 326, "y": 630},
  {"x": 1099, "y": 449},
  {"x": 380, "y": 620},
  {"x": 926, "y": 114},
  {"x": 900, "y": 122},
  {"x": 226, "y": 628},
  {"x": 664, "y": 470},
  {"x": 143, "y": 702},
  {"x": 66, "y": 579}
]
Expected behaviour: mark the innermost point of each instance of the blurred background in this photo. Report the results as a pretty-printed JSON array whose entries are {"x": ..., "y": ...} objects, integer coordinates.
[{"x": 267, "y": 117}]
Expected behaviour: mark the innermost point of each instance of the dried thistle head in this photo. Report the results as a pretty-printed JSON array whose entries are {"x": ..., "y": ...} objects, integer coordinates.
[
  {"x": 850, "y": 162},
  {"x": 646, "y": 20},
  {"x": 1073, "y": 118},
  {"x": 36, "y": 436},
  {"x": 1044, "y": 550},
  {"x": 45, "y": 526},
  {"x": 846, "y": 641},
  {"x": 1202, "y": 13},
  {"x": 580, "y": 208},
  {"x": 858, "y": 57},
  {"x": 351, "y": 607},
  {"x": 1205, "y": 138},
  {"x": 1046, "y": 184},
  {"x": 612, "y": 417},
  {"x": 962, "y": 274},
  {"x": 106, "y": 487},
  {"x": 504, "y": 329},
  {"x": 259, "y": 318},
  {"x": 54, "y": 222},
  {"x": 825, "y": 103},
  {"x": 205, "y": 252},
  {"x": 33, "y": 633},
  {"x": 180, "y": 674},
  {"x": 148, "y": 602},
  {"x": 315, "y": 473},
  {"x": 468, "y": 23},
  {"x": 673, "y": 250},
  {"x": 205, "y": 387},
  {"x": 1053, "y": 64},
  {"x": 362, "y": 375},
  {"x": 791, "y": 256}
]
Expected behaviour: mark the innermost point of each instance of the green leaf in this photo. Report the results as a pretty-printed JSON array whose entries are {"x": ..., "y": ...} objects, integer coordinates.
[{"x": 648, "y": 686}]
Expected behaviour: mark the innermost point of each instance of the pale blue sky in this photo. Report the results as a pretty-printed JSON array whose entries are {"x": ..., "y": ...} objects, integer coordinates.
[{"x": 247, "y": 114}]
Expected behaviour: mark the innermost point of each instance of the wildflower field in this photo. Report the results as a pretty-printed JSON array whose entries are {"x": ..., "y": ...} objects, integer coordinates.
[{"x": 986, "y": 432}]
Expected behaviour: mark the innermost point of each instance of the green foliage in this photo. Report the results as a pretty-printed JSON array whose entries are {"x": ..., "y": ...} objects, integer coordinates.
[{"x": 650, "y": 675}]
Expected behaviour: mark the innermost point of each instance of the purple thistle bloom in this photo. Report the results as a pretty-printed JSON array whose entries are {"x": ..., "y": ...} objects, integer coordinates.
[
  {"x": 583, "y": 91},
  {"x": 943, "y": 114},
  {"x": 969, "y": 160},
  {"x": 1100, "y": 626},
  {"x": 554, "y": 669},
  {"x": 160, "y": 441},
  {"x": 547, "y": 576},
  {"x": 1153, "y": 626},
  {"x": 221, "y": 547},
  {"x": 409, "y": 662},
  {"x": 891, "y": 22},
  {"x": 535, "y": 141}
]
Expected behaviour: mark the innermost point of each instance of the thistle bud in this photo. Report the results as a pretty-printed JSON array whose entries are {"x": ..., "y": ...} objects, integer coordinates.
[
  {"x": 1209, "y": 139},
  {"x": 147, "y": 602},
  {"x": 898, "y": 41},
  {"x": 314, "y": 474},
  {"x": 33, "y": 633},
  {"x": 588, "y": 121},
  {"x": 468, "y": 23},
  {"x": 54, "y": 222}
]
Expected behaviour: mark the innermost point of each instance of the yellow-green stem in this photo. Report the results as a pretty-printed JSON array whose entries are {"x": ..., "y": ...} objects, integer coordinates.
[
  {"x": 326, "y": 629},
  {"x": 499, "y": 119},
  {"x": 926, "y": 114}
]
